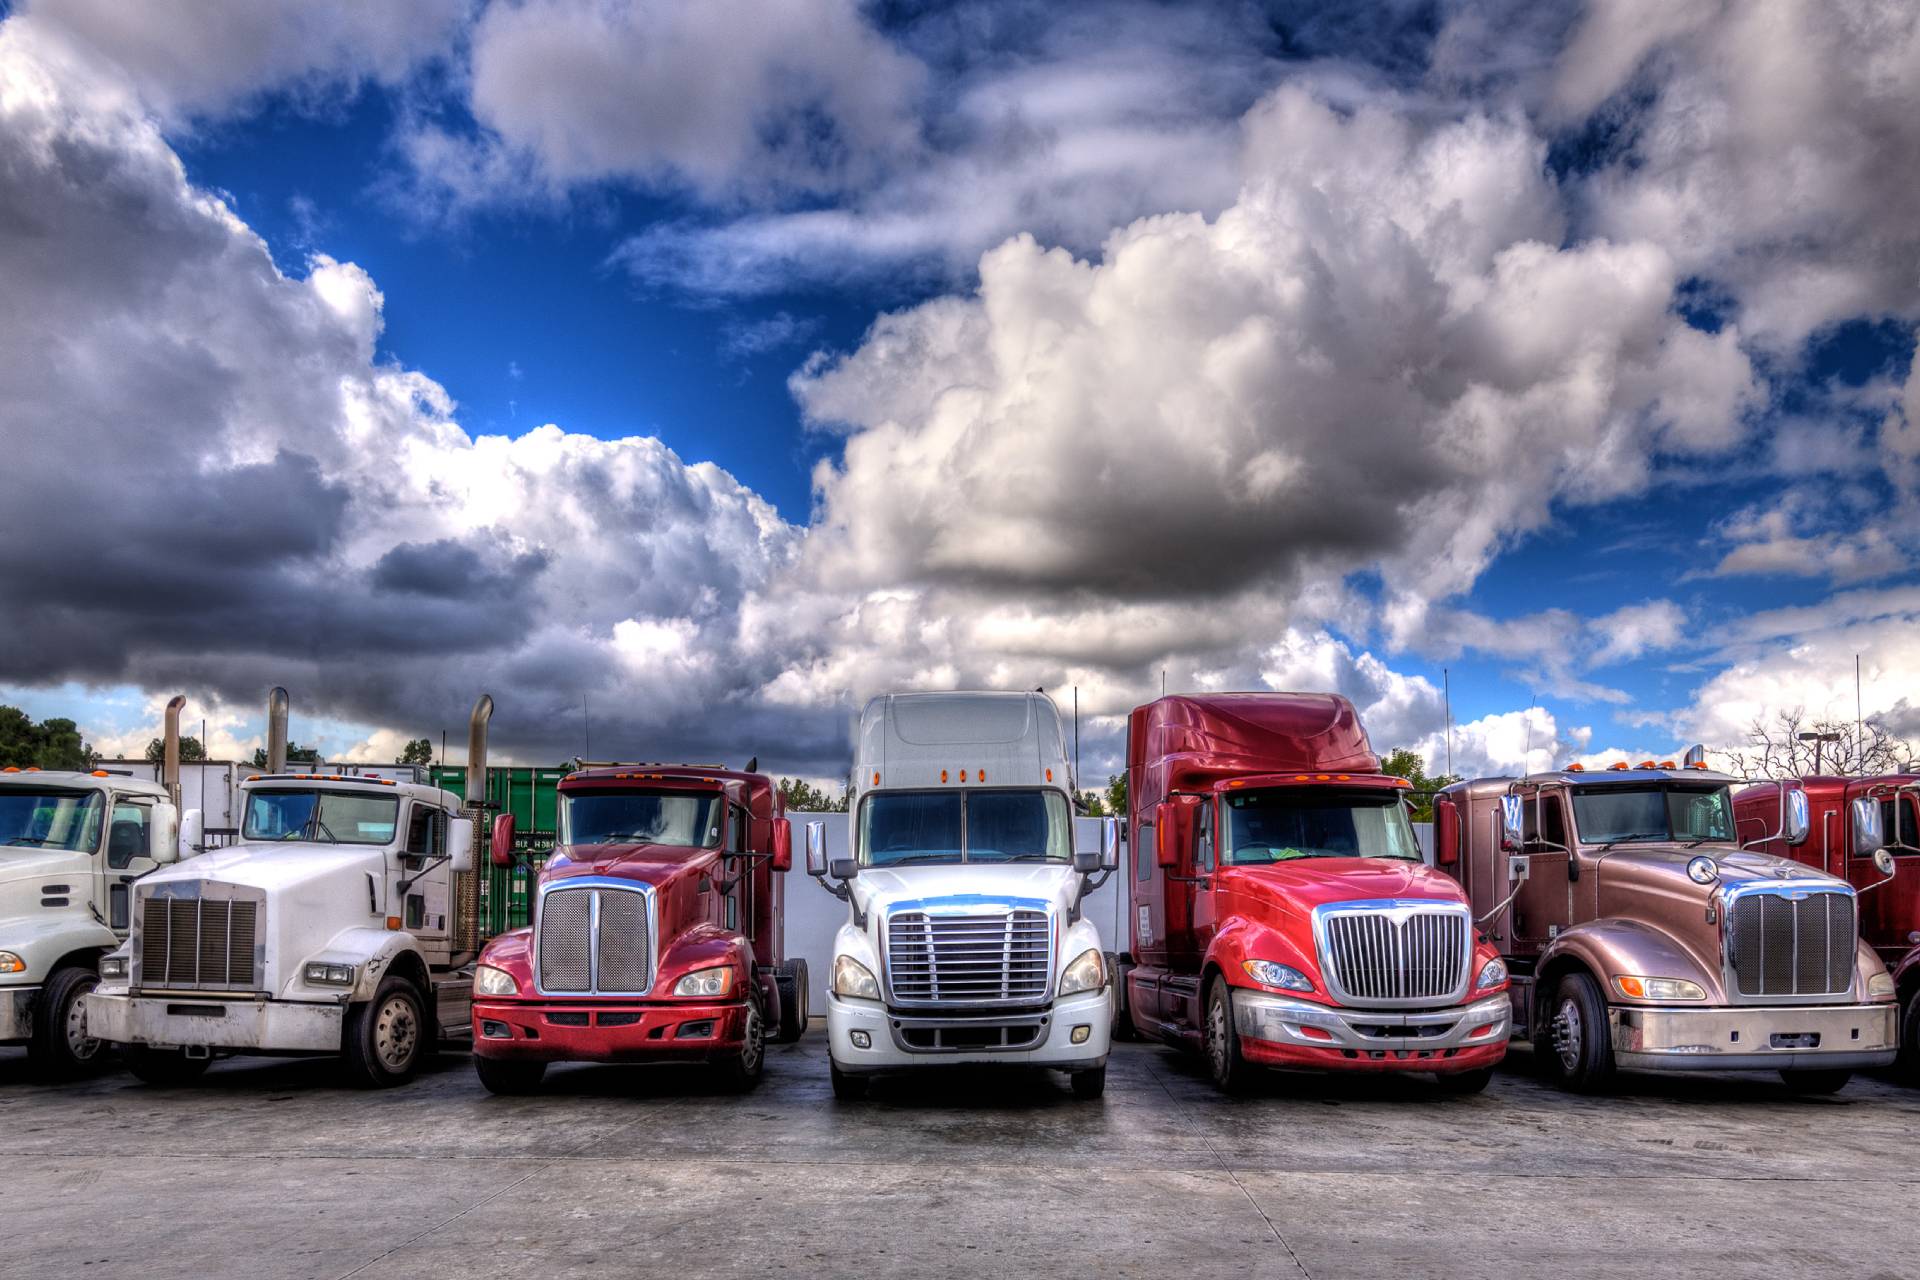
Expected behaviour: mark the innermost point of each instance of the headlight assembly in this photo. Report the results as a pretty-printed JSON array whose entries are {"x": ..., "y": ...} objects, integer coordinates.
[
  {"x": 1880, "y": 984},
  {"x": 1088, "y": 972},
  {"x": 323, "y": 974},
  {"x": 113, "y": 968},
  {"x": 851, "y": 978},
  {"x": 11, "y": 963},
  {"x": 489, "y": 981},
  {"x": 1639, "y": 988},
  {"x": 1492, "y": 974},
  {"x": 1269, "y": 974},
  {"x": 705, "y": 982}
]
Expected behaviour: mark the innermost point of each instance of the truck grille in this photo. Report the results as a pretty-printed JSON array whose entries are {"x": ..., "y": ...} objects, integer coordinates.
[
  {"x": 1783, "y": 947},
  {"x": 1004, "y": 958},
  {"x": 198, "y": 943},
  {"x": 1390, "y": 955},
  {"x": 594, "y": 940}
]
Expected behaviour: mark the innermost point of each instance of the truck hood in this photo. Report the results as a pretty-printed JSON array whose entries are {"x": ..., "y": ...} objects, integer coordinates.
[
  {"x": 1306, "y": 883},
  {"x": 39, "y": 866},
  {"x": 1634, "y": 876},
  {"x": 650, "y": 864},
  {"x": 272, "y": 867},
  {"x": 880, "y": 890}
]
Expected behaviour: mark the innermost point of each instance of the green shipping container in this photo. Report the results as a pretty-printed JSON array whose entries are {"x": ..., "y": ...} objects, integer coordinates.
[{"x": 532, "y": 795}]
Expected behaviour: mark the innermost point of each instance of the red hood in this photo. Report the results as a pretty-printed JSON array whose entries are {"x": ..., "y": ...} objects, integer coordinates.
[
  {"x": 1306, "y": 883},
  {"x": 653, "y": 864}
]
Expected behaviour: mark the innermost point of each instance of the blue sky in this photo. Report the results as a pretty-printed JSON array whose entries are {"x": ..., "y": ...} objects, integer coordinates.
[{"x": 566, "y": 225}]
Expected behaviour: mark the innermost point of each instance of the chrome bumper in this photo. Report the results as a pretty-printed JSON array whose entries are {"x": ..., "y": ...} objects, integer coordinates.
[
  {"x": 188, "y": 1022},
  {"x": 16, "y": 1012},
  {"x": 1259, "y": 1016},
  {"x": 1762, "y": 1038}
]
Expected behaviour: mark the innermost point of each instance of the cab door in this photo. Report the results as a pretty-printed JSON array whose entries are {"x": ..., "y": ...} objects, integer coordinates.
[
  {"x": 1206, "y": 919},
  {"x": 1890, "y": 917},
  {"x": 428, "y": 911},
  {"x": 125, "y": 857},
  {"x": 1545, "y": 904}
]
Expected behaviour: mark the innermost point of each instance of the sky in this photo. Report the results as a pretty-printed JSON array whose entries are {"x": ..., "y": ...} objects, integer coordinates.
[{"x": 687, "y": 373}]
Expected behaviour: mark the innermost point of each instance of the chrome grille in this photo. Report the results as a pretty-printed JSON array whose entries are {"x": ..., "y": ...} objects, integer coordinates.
[
  {"x": 198, "y": 943},
  {"x": 1391, "y": 955},
  {"x": 594, "y": 939},
  {"x": 1001, "y": 958},
  {"x": 1780, "y": 946}
]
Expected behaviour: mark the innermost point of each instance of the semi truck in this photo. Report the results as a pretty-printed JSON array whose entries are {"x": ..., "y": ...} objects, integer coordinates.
[
  {"x": 342, "y": 922},
  {"x": 965, "y": 941},
  {"x": 657, "y": 931},
  {"x": 1828, "y": 823},
  {"x": 73, "y": 846},
  {"x": 1642, "y": 935},
  {"x": 1282, "y": 914}
]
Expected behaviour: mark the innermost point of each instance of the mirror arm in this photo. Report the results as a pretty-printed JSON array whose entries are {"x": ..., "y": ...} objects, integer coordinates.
[
  {"x": 1504, "y": 904},
  {"x": 420, "y": 875},
  {"x": 1861, "y": 893}
]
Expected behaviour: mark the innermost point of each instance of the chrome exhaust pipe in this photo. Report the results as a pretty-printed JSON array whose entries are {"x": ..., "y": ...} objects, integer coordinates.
[
  {"x": 477, "y": 750},
  {"x": 170, "y": 757},
  {"x": 277, "y": 705}
]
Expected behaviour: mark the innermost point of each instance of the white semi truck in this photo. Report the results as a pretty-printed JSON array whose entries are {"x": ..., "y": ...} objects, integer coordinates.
[
  {"x": 73, "y": 848},
  {"x": 342, "y": 922},
  {"x": 965, "y": 943}
]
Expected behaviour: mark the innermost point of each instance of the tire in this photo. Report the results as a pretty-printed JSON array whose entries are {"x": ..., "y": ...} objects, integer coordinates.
[
  {"x": 791, "y": 979},
  {"x": 1574, "y": 1049},
  {"x": 1907, "y": 1066},
  {"x": 1462, "y": 1083},
  {"x": 847, "y": 1088},
  {"x": 1089, "y": 1085},
  {"x": 386, "y": 1036},
  {"x": 1122, "y": 1015},
  {"x": 163, "y": 1068},
  {"x": 508, "y": 1078},
  {"x": 1232, "y": 1073},
  {"x": 739, "y": 1070},
  {"x": 1816, "y": 1082},
  {"x": 60, "y": 1048}
]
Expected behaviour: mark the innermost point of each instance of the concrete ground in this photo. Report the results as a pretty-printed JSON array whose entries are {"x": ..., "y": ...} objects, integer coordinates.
[{"x": 274, "y": 1168}]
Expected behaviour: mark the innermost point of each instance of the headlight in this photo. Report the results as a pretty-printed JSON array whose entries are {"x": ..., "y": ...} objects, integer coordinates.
[
  {"x": 1267, "y": 973},
  {"x": 489, "y": 981},
  {"x": 1492, "y": 974},
  {"x": 1658, "y": 988},
  {"x": 1703, "y": 870},
  {"x": 705, "y": 982},
  {"x": 1880, "y": 984},
  {"x": 851, "y": 978},
  {"x": 328, "y": 975},
  {"x": 113, "y": 966},
  {"x": 1088, "y": 972},
  {"x": 11, "y": 963}
]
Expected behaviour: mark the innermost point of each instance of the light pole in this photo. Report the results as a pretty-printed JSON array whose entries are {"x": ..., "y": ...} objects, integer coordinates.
[{"x": 1819, "y": 740}]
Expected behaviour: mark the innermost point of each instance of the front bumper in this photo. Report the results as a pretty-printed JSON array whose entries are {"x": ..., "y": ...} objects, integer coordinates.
[
  {"x": 193, "y": 1022},
  {"x": 1815, "y": 1037},
  {"x": 1281, "y": 1032},
  {"x": 897, "y": 1040},
  {"x": 16, "y": 1013},
  {"x": 575, "y": 1031}
]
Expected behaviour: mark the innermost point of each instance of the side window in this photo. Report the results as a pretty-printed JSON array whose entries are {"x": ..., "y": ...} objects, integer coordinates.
[
  {"x": 737, "y": 835},
  {"x": 127, "y": 834},
  {"x": 1546, "y": 824},
  {"x": 1897, "y": 821},
  {"x": 1204, "y": 828},
  {"x": 423, "y": 831},
  {"x": 1554, "y": 813}
]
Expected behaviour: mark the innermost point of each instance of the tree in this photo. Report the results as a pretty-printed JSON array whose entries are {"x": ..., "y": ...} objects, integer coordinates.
[
  {"x": 47, "y": 744},
  {"x": 803, "y": 797},
  {"x": 1404, "y": 763},
  {"x": 190, "y": 749},
  {"x": 417, "y": 751},
  {"x": 1775, "y": 749},
  {"x": 296, "y": 754},
  {"x": 1093, "y": 804},
  {"x": 1117, "y": 794}
]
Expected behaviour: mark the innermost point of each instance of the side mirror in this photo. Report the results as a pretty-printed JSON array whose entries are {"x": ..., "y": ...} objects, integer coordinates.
[
  {"x": 1446, "y": 834},
  {"x": 503, "y": 833},
  {"x": 1513, "y": 823},
  {"x": 782, "y": 845},
  {"x": 1883, "y": 862},
  {"x": 1109, "y": 844},
  {"x": 1868, "y": 838},
  {"x": 1797, "y": 822},
  {"x": 166, "y": 835},
  {"x": 1086, "y": 861},
  {"x": 844, "y": 868},
  {"x": 816, "y": 849},
  {"x": 460, "y": 844}
]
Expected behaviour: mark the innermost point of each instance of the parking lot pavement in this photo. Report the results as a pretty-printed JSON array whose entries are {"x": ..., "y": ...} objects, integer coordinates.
[{"x": 275, "y": 1168}]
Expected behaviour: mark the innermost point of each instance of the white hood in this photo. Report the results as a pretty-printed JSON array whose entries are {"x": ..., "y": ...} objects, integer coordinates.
[
  {"x": 1048, "y": 886},
  {"x": 271, "y": 866}
]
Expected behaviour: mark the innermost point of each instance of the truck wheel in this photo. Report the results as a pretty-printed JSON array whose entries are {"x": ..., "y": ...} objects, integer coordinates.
[
  {"x": 1233, "y": 1073},
  {"x": 1122, "y": 1015},
  {"x": 1461, "y": 1083},
  {"x": 61, "y": 1049},
  {"x": 846, "y": 1088},
  {"x": 1088, "y": 1085},
  {"x": 791, "y": 978},
  {"x": 163, "y": 1068},
  {"x": 1816, "y": 1082},
  {"x": 1578, "y": 1053},
  {"x": 386, "y": 1035},
  {"x": 508, "y": 1078},
  {"x": 1907, "y": 1066},
  {"x": 739, "y": 1070}
]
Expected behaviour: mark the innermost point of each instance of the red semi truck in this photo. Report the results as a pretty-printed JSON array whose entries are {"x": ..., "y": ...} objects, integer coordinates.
[
  {"x": 1282, "y": 915},
  {"x": 656, "y": 931}
]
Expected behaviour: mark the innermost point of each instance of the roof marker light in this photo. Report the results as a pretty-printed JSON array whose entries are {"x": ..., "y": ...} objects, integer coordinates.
[
  {"x": 1618, "y": 765},
  {"x": 963, "y": 775},
  {"x": 101, "y": 773},
  {"x": 1647, "y": 764},
  {"x": 1698, "y": 764},
  {"x": 1343, "y": 778},
  {"x": 1576, "y": 767},
  {"x": 981, "y": 776},
  {"x": 12, "y": 768},
  {"x": 1049, "y": 775},
  {"x": 1300, "y": 777},
  {"x": 943, "y": 775},
  {"x": 876, "y": 777},
  {"x": 1668, "y": 764}
]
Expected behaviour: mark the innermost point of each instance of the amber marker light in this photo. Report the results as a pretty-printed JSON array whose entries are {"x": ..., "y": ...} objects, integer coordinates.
[{"x": 393, "y": 924}]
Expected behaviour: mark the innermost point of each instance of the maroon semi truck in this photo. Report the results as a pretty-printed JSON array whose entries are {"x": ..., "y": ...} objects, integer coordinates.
[{"x": 656, "y": 935}]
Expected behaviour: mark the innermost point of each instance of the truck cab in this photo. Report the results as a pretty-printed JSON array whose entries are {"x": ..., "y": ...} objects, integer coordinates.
[
  {"x": 965, "y": 942},
  {"x": 1834, "y": 824},
  {"x": 1641, "y": 934},
  {"x": 1282, "y": 914},
  {"x": 73, "y": 848},
  {"x": 657, "y": 932}
]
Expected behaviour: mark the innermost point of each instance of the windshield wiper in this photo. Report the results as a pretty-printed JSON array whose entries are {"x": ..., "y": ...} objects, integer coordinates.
[
  {"x": 39, "y": 840},
  {"x": 1632, "y": 835},
  {"x": 918, "y": 857},
  {"x": 1024, "y": 857}
]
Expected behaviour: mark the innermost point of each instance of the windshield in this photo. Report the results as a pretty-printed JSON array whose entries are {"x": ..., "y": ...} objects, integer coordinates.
[
  {"x": 68, "y": 820},
  {"x": 898, "y": 827},
  {"x": 333, "y": 817},
  {"x": 1612, "y": 815},
  {"x": 687, "y": 818},
  {"x": 1280, "y": 825}
]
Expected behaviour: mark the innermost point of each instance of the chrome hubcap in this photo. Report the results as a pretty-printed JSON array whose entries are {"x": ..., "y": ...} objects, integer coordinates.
[
  {"x": 756, "y": 1040},
  {"x": 1217, "y": 1036},
  {"x": 396, "y": 1033},
  {"x": 1566, "y": 1034},
  {"x": 81, "y": 1045}
]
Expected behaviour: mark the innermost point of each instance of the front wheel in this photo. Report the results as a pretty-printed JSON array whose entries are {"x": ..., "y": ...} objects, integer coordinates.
[
  {"x": 1816, "y": 1082},
  {"x": 1089, "y": 1085},
  {"x": 791, "y": 979},
  {"x": 61, "y": 1049},
  {"x": 164, "y": 1068},
  {"x": 739, "y": 1069},
  {"x": 1907, "y": 1066},
  {"x": 386, "y": 1036},
  {"x": 1122, "y": 1014},
  {"x": 1461, "y": 1083},
  {"x": 1574, "y": 1047},
  {"x": 508, "y": 1078},
  {"x": 1231, "y": 1072},
  {"x": 846, "y": 1088}
]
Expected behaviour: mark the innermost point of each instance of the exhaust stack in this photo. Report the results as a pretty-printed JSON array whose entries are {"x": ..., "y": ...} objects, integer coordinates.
[
  {"x": 277, "y": 704},
  {"x": 477, "y": 750},
  {"x": 170, "y": 757}
]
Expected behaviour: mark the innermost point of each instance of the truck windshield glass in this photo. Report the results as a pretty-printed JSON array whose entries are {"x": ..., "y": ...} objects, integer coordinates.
[
  {"x": 1618, "y": 815},
  {"x": 690, "y": 819},
  {"x": 901, "y": 827},
  {"x": 68, "y": 820},
  {"x": 1281, "y": 825},
  {"x": 331, "y": 817}
]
